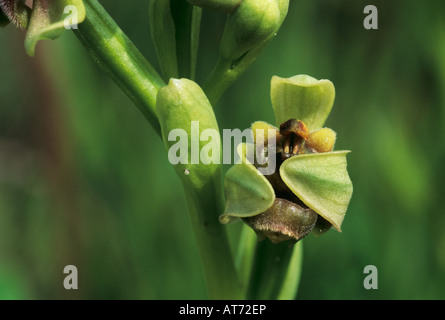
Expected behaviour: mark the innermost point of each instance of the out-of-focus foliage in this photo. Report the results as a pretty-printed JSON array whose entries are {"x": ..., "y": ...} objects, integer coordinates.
[{"x": 84, "y": 180}]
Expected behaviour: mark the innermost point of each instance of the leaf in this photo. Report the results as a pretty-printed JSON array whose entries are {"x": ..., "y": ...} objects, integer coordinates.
[
  {"x": 322, "y": 182},
  {"x": 303, "y": 98},
  {"x": 162, "y": 28},
  {"x": 49, "y": 19},
  {"x": 248, "y": 192}
]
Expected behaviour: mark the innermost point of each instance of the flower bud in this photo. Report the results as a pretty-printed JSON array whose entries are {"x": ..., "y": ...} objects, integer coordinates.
[
  {"x": 227, "y": 6},
  {"x": 285, "y": 220},
  {"x": 252, "y": 23}
]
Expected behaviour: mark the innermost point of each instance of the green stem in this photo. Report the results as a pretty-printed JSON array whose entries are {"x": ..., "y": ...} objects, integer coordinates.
[
  {"x": 119, "y": 57},
  {"x": 221, "y": 78},
  {"x": 226, "y": 72},
  {"x": 211, "y": 237},
  {"x": 276, "y": 271}
]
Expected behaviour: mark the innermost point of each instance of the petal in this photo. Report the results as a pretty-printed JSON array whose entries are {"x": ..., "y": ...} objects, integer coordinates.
[
  {"x": 49, "y": 20},
  {"x": 248, "y": 192},
  {"x": 302, "y": 97},
  {"x": 322, "y": 182}
]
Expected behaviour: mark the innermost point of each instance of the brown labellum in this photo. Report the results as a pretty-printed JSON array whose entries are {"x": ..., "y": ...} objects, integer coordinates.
[{"x": 285, "y": 220}]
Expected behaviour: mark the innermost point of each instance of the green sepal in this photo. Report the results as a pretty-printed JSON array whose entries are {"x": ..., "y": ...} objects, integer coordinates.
[
  {"x": 247, "y": 191},
  {"x": 302, "y": 97},
  {"x": 48, "y": 21},
  {"x": 322, "y": 182},
  {"x": 162, "y": 29}
]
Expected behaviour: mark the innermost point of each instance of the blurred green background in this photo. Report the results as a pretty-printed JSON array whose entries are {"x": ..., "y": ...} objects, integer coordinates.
[{"x": 84, "y": 180}]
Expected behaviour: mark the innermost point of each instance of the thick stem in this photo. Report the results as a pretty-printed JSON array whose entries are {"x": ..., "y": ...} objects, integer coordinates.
[
  {"x": 118, "y": 56},
  {"x": 276, "y": 271},
  {"x": 216, "y": 257}
]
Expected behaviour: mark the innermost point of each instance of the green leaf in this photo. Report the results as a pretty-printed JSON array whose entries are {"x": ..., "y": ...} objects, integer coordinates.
[
  {"x": 302, "y": 97},
  {"x": 187, "y": 19},
  {"x": 162, "y": 29},
  {"x": 50, "y": 18},
  {"x": 247, "y": 191},
  {"x": 322, "y": 182}
]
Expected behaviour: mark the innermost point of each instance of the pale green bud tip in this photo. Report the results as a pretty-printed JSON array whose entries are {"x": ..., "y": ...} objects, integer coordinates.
[
  {"x": 252, "y": 23},
  {"x": 227, "y": 6}
]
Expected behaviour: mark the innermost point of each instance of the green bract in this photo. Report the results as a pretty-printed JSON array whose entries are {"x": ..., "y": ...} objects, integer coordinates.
[
  {"x": 313, "y": 178},
  {"x": 179, "y": 104}
]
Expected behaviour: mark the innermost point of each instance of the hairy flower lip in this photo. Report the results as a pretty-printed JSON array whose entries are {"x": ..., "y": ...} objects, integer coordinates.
[{"x": 285, "y": 220}]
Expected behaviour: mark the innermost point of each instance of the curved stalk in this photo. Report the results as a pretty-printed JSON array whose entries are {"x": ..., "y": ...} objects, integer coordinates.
[{"x": 118, "y": 56}]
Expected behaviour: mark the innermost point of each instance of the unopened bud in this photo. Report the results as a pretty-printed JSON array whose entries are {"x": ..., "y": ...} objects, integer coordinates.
[{"x": 252, "y": 23}]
